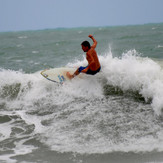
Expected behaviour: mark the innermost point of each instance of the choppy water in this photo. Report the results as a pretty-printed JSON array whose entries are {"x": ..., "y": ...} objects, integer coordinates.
[{"x": 114, "y": 116}]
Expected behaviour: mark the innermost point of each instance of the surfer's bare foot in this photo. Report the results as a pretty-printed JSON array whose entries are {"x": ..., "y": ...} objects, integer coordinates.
[{"x": 69, "y": 75}]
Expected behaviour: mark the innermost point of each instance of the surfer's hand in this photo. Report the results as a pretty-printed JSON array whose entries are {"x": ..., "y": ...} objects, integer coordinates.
[{"x": 90, "y": 36}]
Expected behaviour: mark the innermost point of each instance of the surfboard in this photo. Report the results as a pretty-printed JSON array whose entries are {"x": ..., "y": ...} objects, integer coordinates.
[{"x": 57, "y": 75}]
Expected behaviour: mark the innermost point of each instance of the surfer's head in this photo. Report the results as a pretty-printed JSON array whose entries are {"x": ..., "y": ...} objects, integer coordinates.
[{"x": 85, "y": 46}]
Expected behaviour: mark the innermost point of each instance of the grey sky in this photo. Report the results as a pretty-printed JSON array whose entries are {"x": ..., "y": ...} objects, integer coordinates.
[{"x": 18, "y": 15}]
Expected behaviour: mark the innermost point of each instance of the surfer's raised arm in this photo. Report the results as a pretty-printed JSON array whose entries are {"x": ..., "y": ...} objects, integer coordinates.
[{"x": 94, "y": 41}]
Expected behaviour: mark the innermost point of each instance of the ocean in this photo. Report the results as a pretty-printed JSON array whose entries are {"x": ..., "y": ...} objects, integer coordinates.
[{"x": 115, "y": 116}]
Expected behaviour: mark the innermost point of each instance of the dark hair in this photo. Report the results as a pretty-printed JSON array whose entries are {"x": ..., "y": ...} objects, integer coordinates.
[{"x": 86, "y": 43}]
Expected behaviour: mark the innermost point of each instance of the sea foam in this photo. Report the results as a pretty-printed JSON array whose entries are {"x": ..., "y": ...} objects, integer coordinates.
[
  {"x": 78, "y": 117},
  {"x": 131, "y": 72}
]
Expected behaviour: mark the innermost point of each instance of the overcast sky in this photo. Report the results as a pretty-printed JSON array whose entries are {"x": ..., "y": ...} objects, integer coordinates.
[{"x": 16, "y": 15}]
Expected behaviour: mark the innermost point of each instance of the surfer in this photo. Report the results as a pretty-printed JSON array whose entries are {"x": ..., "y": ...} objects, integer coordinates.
[{"x": 92, "y": 58}]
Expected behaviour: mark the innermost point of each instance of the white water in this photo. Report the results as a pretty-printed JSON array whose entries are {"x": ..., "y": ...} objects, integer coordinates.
[{"x": 77, "y": 117}]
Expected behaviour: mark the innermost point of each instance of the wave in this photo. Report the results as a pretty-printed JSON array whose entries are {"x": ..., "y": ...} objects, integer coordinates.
[
  {"x": 131, "y": 73},
  {"x": 95, "y": 114}
]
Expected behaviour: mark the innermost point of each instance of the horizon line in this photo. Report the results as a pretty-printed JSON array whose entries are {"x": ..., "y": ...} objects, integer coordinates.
[{"x": 60, "y": 28}]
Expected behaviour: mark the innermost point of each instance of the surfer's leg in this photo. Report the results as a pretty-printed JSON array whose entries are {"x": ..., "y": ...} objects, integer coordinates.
[{"x": 77, "y": 72}]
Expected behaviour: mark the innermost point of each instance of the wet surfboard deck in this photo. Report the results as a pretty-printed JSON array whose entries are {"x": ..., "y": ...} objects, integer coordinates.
[{"x": 57, "y": 75}]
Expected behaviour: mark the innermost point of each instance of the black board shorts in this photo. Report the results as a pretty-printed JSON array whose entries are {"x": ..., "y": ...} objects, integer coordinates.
[{"x": 89, "y": 72}]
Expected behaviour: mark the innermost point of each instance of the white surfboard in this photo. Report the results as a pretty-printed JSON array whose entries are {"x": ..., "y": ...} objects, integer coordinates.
[{"x": 57, "y": 74}]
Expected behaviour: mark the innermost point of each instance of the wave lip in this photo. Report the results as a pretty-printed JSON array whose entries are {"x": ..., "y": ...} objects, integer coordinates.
[{"x": 134, "y": 73}]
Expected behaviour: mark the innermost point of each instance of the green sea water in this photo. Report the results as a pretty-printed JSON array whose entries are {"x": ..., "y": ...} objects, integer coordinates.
[
  {"x": 34, "y": 50},
  {"x": 115, "y": 116}
]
